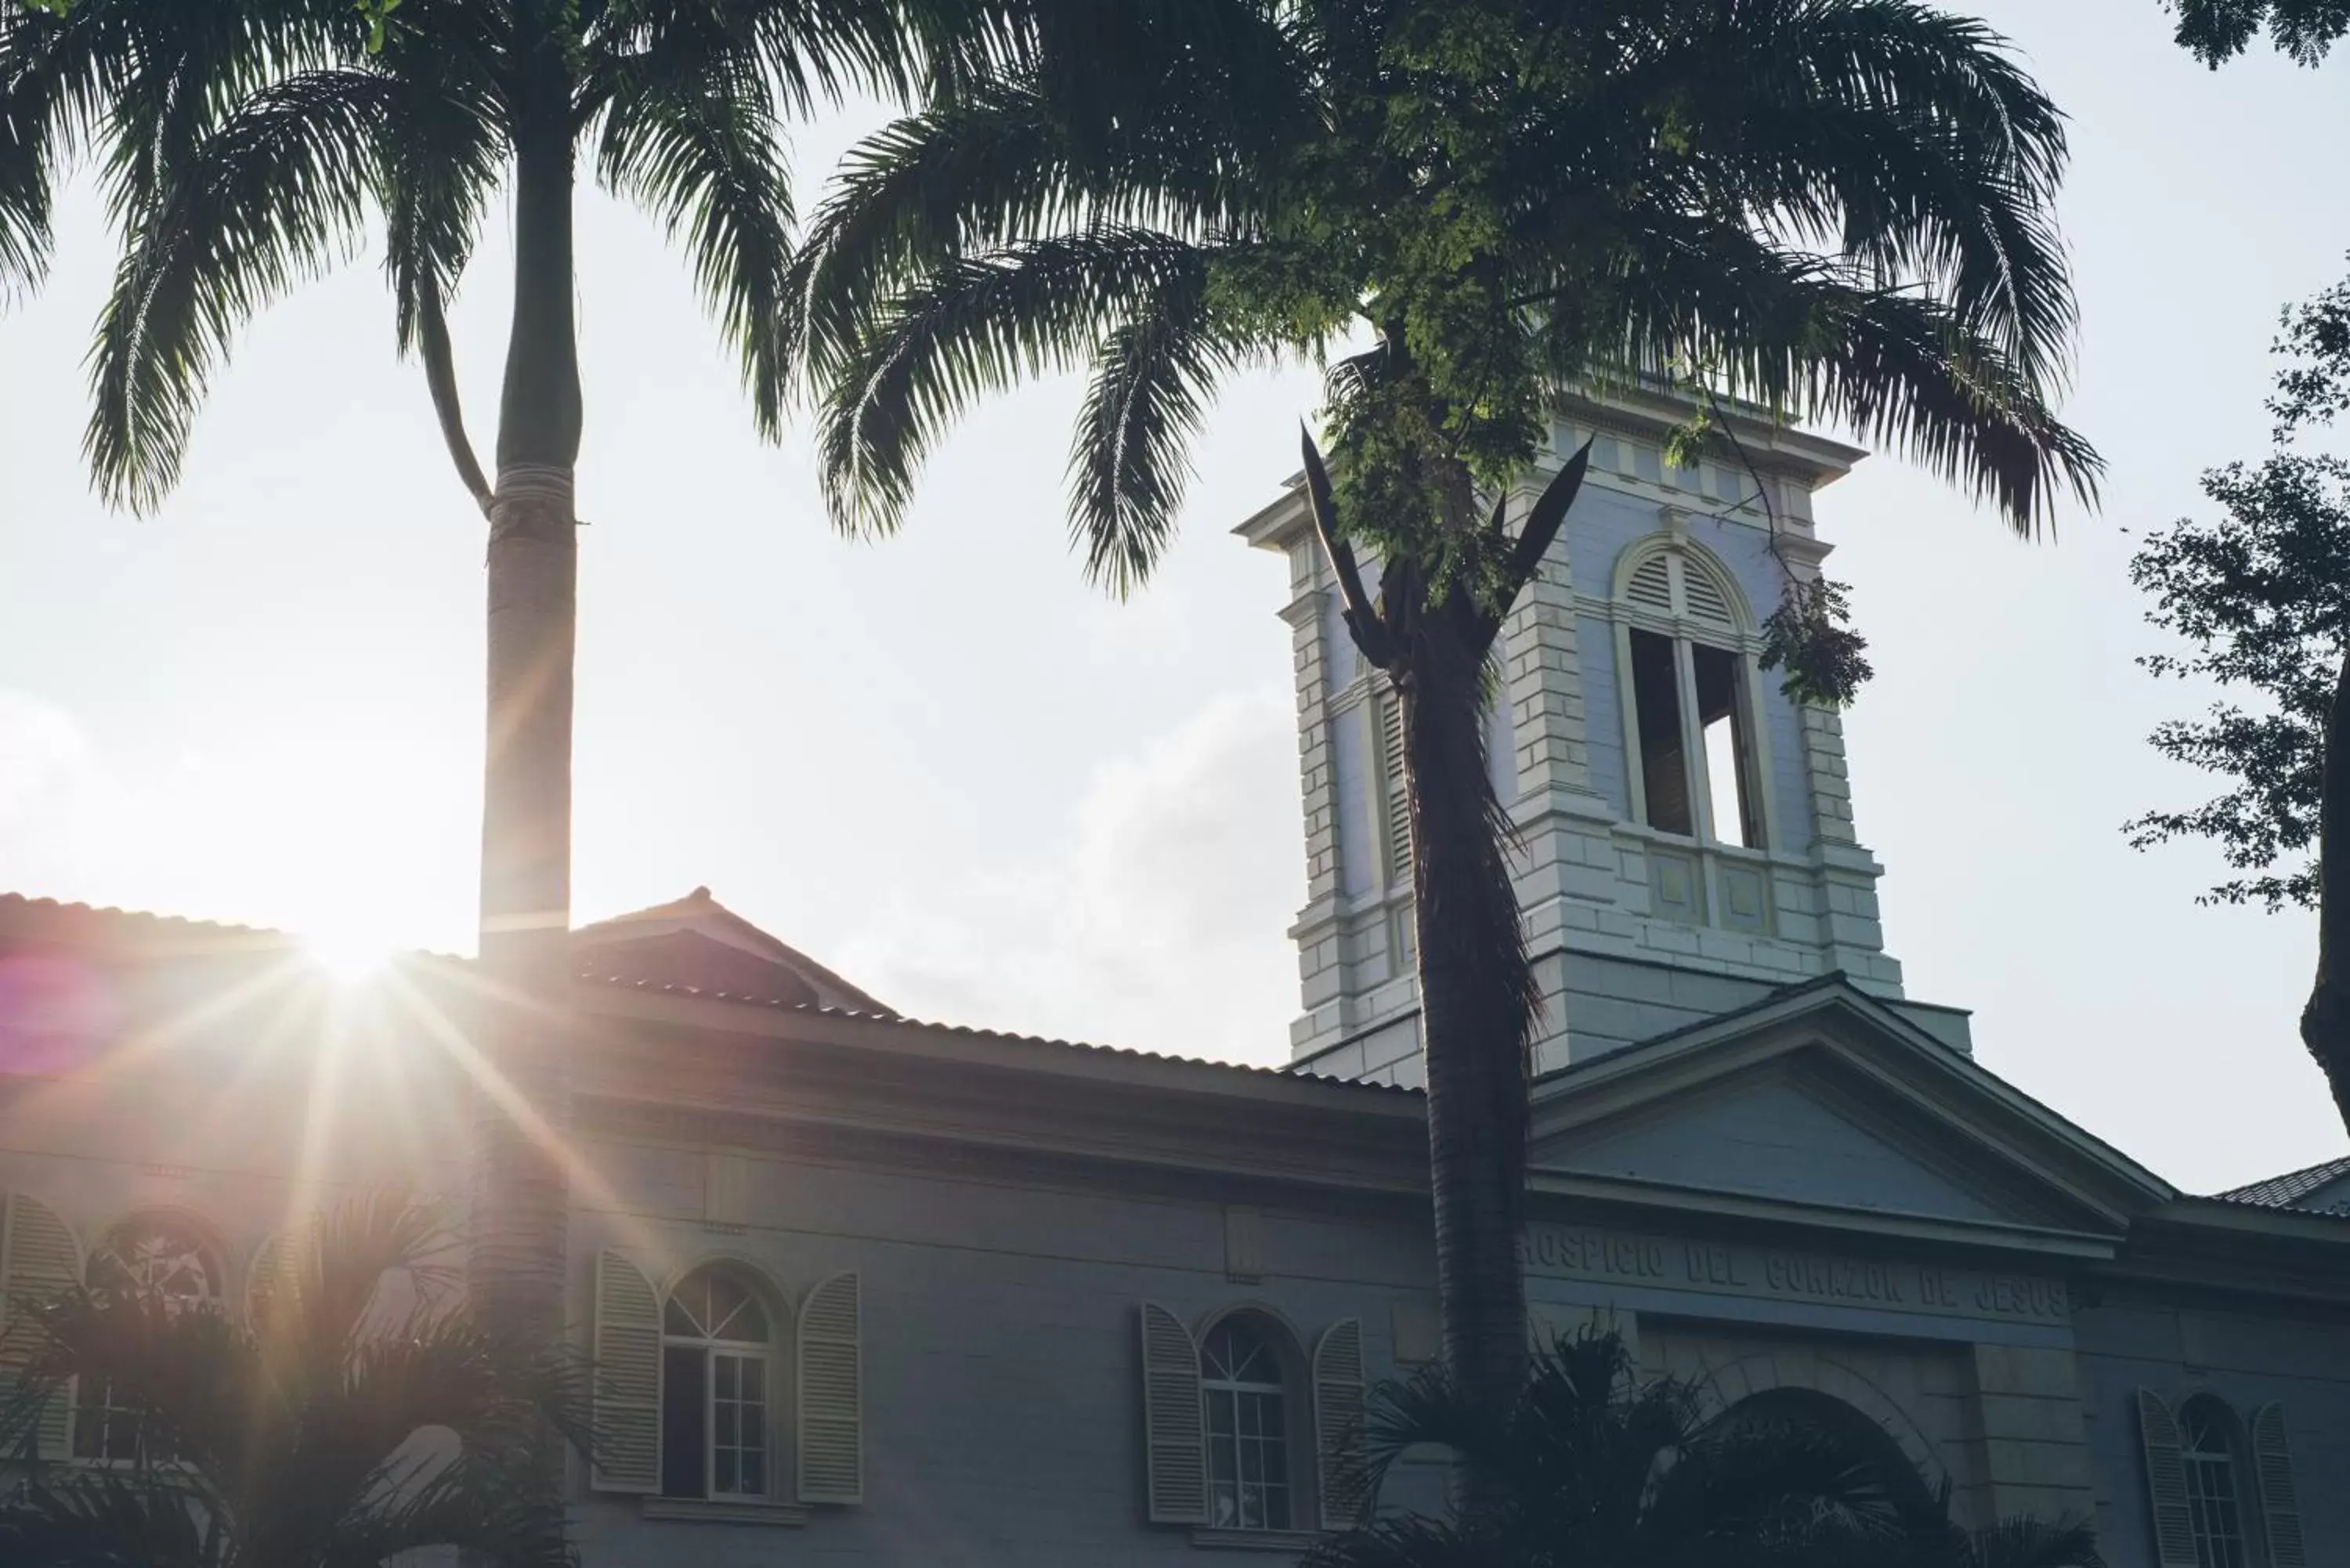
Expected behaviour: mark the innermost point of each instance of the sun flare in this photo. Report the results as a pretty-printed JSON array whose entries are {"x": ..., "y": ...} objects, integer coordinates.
[{"x": 349, "y": 953}]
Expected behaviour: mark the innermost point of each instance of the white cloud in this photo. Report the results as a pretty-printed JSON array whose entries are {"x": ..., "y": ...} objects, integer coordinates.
[{"x": 1156, "y": 923}]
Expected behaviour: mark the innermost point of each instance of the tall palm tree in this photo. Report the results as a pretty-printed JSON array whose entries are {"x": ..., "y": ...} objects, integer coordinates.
[
  {"x": 1836, "y": 209},
  {"x": 1593, "y": 1466},
  {"x": 247, "y": 144},
  {"x": 296, "y": 1439}
]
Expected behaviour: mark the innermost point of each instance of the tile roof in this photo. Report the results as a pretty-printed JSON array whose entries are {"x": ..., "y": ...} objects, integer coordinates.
[
  {"x": 133, "y": 930},
  {"x": 54, "y": 919},
  {"x": 2288, "y": 1191},
  {"x": 966, "y": 1032}
]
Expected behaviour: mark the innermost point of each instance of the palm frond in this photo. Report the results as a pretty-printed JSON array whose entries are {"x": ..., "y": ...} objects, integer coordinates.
[
  {"x": 440, "y": 149},
  {"x": 2036, "y": 1544},
  {"x": 811, "y": 53},
  {"x": 999, "y": 163},
  {"x": 28, "y": 150},
  {"x": 971, "y": 328},
  {"x": 1805, "y": 334},
  {"x": 275, "y": 194},
  {"x": 113, "y": 1519},
  {"x": 475, "y": 1503},
  {"x": 1908, "y": 140},
  {"x": 703, "y": 151},
  {"x": 189, "y": 1377},
  {"x": 1130, "y": 459}
]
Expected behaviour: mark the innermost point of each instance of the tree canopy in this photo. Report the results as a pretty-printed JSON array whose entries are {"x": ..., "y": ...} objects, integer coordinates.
[
  {"x": 2261, "y": 597},
  {"x": 2220, "y": 30}
]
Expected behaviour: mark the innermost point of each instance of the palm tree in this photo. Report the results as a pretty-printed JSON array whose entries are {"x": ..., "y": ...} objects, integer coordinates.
[
  {"x": 1836, "y": 209},
  {"x": 247, "y": 144},
  {"x": 296, "y": 1439},
  {"x": 1593, "y": 1466}
]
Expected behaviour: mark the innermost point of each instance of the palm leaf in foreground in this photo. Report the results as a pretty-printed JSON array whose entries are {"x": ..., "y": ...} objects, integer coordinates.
[{"x": 298, "y": 1439}]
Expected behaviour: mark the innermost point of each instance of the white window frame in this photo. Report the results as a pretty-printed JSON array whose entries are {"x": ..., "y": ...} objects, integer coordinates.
[
  {"x": 1724, "y": 872},
  {"x": 1294, "y": 1402},
  {"x": 761, "y": 1353},
  {"x": 2205, "y": 1416}
]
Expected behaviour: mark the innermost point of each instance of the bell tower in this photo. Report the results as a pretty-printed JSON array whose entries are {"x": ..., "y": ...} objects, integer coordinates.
[{"x": 1689, "y": 841}]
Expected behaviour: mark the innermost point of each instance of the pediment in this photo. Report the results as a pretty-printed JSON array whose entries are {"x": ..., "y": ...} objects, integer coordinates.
[{"x": 1822, "y": 1106}]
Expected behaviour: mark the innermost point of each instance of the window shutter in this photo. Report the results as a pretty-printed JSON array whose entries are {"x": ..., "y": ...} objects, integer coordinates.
[
  {"x": 39, "y": 1259},
  {"x": 832, "y": 1394},
  {"x": 1174, "y": 1439},
  {"x": 2166, "y": 1482},
  {"x": 1395, "y": 793},
  {"x": 627, "y": 1378},
  {"x": 1338, "y": 1433},
  {"x": 2273, "y": 1465},
  {"x": 274, "y": 1278},
  {"x": 1650, "y": 588}
]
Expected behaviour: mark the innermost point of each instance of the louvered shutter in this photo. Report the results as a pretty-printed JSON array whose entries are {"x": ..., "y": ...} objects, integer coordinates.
[
  {"x": 2273, "y": 1467},
  {"x": 2166, "y": 1482},
  {"x": 1174, "y": 1441},
  {"x": 627, "y": 1378},
  {"x": 1339, "y": 1435},
  {"x": 39, "y": 1259},
  {"x": 832, "y": 1394},
  {"x": 1651, "y": 588},
  {"x": 275, "y": 1279},
  {"x": 1395, "y": 792}
]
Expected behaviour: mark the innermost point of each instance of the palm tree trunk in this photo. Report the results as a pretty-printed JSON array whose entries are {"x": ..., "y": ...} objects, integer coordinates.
[
  {"x": 1478, "y": 1001},
  {"x": 2325, "y": 1021},
  {"x": 518, "y": 1257}
]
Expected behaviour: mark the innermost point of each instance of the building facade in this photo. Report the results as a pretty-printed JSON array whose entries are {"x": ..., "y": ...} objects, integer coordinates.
[{"x": 868, "y": 1289}]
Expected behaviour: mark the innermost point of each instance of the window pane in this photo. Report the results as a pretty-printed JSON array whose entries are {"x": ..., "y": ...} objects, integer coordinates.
[
  {"x": 1728, "y": 750},
  {"x": 1656, "y": 702},
  {"x": 685, "y": 1391}
]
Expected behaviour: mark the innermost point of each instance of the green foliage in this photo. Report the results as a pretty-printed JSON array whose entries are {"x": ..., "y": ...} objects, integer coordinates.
[
  {"x": 290, "y": 1438},
  {"x": 2218, "y": 30},
  {"x": 2263, "y": 598},
  {"x": 1811, "y": 636},
  {"x": 2264, "y": 595},
  {"x": 379, "y": 19},
  {"x": 1597, "y": 1464}
]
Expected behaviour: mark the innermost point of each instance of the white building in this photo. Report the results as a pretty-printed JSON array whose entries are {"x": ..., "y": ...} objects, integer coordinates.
[{"x": 909, "y": 1292}]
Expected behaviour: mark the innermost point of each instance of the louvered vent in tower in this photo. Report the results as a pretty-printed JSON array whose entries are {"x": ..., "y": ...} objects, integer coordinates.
[
  {"x": 1706, "y": 602},
  {"x": 1650, "y": 588}
]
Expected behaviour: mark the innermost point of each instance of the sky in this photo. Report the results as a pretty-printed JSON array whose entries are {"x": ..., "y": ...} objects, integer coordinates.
[{"x": 946, "y": 767}]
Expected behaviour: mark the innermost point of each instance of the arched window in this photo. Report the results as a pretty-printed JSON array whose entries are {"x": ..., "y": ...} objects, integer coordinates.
[
  {"x": 167, "y": 1261},
  {"x": 719, "y": 1387},
  {"x": 2209, "y": 1446},
  {"x": 1245, "y": 1409},
  {"x": 1689, "y": 710}
]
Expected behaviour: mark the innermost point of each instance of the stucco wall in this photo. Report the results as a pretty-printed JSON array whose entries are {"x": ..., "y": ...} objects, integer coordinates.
[
  {"x": 2245, "y": 1357},
  {"x": 1002, "y": 1414}
]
